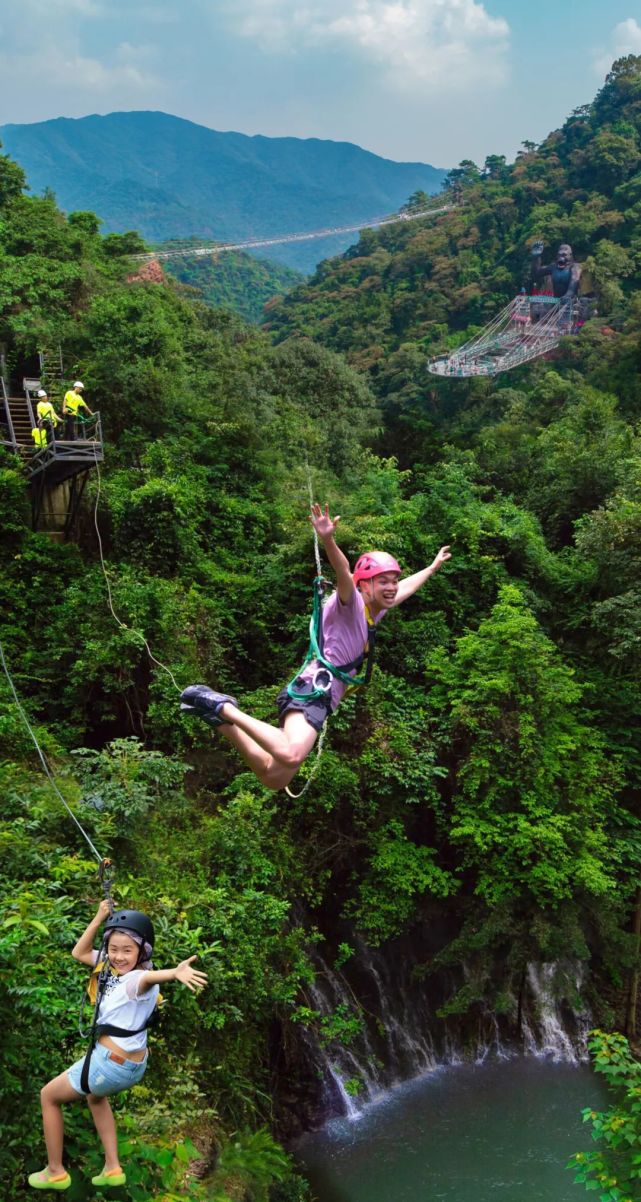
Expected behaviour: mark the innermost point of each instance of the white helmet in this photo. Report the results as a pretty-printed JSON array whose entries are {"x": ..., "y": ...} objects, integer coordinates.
[
  {"x": 41, "y": 392},
  {"x": 78, "y": 384}
]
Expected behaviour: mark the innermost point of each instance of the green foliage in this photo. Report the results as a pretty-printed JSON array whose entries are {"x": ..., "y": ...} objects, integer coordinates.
[
  {"x": 531, "y": 783},
  {"x": 613, "y": 1170},
  {"x": 481, "y": 796},
  {"x": 413, "y": 290},
  {"x": 235, "y": 280},
  {"x": 125, "y": 779}
]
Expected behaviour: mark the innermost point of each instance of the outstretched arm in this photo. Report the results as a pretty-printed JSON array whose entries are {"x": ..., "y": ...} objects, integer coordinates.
[
  {"x": 83, "y": 951},
  {"x": 183, "y": 972},
  {"x": 411, "y": 584},
  {"x": 325, "y": 527}
]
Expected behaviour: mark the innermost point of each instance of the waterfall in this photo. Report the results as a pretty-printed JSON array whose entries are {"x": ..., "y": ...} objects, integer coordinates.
[
  {"x": 378, "y": 1023},
  {"x": 552, "y": 1029}
]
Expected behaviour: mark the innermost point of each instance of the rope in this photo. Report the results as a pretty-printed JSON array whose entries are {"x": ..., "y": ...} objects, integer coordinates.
[
  {"x": 101, "y": 860},
  {"x": 319, "y": 573},
  {"x": 319, "y": 570},
  {"x": 315, "y": 766},
  {"x": 123, "y": 625}
]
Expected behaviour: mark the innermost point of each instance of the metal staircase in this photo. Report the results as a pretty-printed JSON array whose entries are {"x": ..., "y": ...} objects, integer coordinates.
[{"x": 18, "y": 422}]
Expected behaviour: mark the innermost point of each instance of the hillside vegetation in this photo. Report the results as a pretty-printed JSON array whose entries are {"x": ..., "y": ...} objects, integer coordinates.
[
  {"x": 408, "y": 292},
  {"x": 235, "y": 281},
  {"x": 483, "y": 790}
]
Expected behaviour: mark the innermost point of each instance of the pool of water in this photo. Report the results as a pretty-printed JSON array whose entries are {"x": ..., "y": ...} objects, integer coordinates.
[{"x": 494, "y": 1132}]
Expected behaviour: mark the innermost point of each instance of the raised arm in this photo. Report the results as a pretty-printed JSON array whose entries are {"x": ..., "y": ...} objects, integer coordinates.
[
  {"x": 183, "y": 972},
  {"x": 410, "y": 584},
  {"x": 83, "y": 951},
  {"x": 538, "y": 270},
  {"x": 325, "y": 527}
]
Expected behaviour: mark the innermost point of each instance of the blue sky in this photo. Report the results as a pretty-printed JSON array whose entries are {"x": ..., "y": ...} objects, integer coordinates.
[{"x": 433, "y": 80}]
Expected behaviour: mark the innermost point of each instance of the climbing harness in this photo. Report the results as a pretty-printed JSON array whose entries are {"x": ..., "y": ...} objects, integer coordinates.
[
  {"x": 320, "y": 687},
  {"x": 315, "y": 650},
  {"x": 327, "y": 669}
]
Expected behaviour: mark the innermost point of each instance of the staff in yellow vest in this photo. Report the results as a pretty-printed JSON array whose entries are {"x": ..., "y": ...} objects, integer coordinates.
[
  {"x": 39, "y": 438},
  {"x": 47, "y": 417},
  {"x": 72, "y": 405}
]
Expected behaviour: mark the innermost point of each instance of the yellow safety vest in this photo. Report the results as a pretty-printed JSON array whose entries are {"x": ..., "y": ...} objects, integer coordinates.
[
  {"x": 46, "y": 412},
  {"x": 39, "y": 437},
  {"x": 73, "y": 402}
]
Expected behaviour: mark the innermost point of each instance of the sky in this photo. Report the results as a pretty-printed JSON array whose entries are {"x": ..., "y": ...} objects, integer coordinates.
[{"x": 428, "y": 80}]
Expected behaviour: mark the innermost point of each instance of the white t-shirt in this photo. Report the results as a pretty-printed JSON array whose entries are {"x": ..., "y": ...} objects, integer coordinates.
[{"x": 122, "y": 1006}]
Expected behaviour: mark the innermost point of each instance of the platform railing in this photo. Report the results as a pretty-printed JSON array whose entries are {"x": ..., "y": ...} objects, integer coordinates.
[{"x": 85, "y": 449}]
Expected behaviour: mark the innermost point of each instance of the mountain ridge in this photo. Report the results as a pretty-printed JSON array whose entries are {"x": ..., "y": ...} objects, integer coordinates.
[{"x": 169, "y": 177}]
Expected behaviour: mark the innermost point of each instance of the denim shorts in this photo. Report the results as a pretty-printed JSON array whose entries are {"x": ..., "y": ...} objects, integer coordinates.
[{"x": 105, "y": 1075}]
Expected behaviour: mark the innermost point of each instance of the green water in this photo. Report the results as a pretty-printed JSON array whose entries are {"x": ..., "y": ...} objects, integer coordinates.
[{"x": 496, "y": 1132}]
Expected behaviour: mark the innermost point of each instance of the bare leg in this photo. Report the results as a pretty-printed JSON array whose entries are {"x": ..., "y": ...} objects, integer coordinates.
[
  {"x": 295, "y": 741},
  {"x": 103, "y": 1117},
  {"x": 289, "y": 746},
  {"x": 52, "y": 1095}
]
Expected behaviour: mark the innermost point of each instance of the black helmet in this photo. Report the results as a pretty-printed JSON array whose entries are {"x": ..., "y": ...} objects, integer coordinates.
[{"x": 131, "y": 920}]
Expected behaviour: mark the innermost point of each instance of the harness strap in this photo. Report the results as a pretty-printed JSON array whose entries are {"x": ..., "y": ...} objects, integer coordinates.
[
  {"x": 315, "y": 652},
  {"x": 106, "y": 1029}
]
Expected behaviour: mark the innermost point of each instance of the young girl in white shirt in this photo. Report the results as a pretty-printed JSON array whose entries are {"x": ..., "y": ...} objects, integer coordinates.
[{"x": 117, "y": 1062}]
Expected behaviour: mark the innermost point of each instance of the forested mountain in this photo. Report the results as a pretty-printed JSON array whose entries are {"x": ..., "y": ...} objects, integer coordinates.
[
  {"x": 478, "y": 806},
  {"x": 170, "y": 178},
  {"x": 405, "y": 293},
  {"x": 235, "y": 280}
]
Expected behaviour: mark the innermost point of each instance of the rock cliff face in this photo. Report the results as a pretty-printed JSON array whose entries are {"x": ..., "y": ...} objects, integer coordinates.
[{"x": 379, "y": 1022}]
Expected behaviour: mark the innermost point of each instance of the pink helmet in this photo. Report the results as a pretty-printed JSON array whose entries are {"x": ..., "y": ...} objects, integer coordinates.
[{"x": 374, "y": 563}]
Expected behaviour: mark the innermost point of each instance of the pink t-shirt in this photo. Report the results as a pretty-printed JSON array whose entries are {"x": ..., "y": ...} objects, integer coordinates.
[{"x": 345, "y": 634}]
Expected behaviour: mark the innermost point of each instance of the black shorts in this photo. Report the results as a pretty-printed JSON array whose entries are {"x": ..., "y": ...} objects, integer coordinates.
[{"x": 316, "y": 710}]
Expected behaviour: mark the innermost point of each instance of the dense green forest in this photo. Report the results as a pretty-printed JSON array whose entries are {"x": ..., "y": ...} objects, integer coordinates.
[
  {"x": 235, "y": 280},
  {"x": 486, "y": 785}
]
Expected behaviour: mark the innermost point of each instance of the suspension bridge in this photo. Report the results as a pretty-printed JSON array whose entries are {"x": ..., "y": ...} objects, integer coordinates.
[
  {"x": 216, "y": 248},
  {"x": 527, "y": 327}
]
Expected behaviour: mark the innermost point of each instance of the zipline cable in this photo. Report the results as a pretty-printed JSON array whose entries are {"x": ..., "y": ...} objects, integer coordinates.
[
  {"x": 101, "y": 859},
  {"x": 123, "y": 625}
]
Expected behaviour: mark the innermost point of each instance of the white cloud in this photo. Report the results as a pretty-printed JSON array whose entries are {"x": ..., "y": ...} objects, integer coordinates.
[
  {"x": 56, "y": 68},
  {"x": 624, "y": 39},
  {"x": 420, "y": 44}
]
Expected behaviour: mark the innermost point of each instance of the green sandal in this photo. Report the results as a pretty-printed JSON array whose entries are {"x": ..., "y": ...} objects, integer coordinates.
[
  {"x": 112, "y": 1178},
  {"x": 46, "y": 1180}
]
